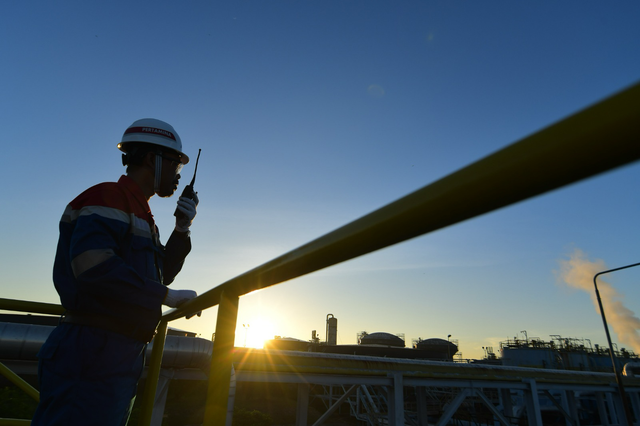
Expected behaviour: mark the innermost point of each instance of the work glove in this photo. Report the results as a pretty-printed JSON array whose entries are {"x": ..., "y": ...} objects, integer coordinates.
[
  {"x": 175, "y": 298},
  {"x": 188, "y": 207}
]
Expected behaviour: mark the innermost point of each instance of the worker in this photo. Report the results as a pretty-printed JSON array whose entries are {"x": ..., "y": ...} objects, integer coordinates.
[{"x": 111, "y": 272}]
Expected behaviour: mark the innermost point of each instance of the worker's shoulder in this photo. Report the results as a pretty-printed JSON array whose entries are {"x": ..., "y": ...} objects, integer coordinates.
[{"x": 106, "y": 194}]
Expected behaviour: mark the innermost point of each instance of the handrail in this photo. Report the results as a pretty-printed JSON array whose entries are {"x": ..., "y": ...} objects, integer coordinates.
[
  {"x": 594, "y": 140},
  {"x": 597, "y": 139},
  {"x": 155, "y": 364},
  {"x": 33, "y": 307},
  {"x": 19, "y": 382},
  {"x": 14, "y": 422}
]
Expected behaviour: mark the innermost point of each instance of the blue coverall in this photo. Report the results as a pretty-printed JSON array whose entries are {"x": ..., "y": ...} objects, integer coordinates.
[{"x": 110, "y": 271}]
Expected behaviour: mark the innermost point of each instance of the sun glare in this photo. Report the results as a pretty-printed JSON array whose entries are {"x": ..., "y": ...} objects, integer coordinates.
[{"x": 253, "y": 334}]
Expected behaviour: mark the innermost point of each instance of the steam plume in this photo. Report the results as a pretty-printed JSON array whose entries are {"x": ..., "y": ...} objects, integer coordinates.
[{"x": 578, "y": 272}]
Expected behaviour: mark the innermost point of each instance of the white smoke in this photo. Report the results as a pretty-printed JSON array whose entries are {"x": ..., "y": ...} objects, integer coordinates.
[{"x": 578, "y": 272}]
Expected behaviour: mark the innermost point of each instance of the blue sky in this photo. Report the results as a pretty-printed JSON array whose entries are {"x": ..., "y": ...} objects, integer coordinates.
[{"x": 311, "y": 114}]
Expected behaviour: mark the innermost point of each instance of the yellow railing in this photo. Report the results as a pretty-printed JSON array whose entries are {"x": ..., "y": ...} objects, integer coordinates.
[
  {"x": 24, "y": 386},
  {"x": 36, "y": 308},
  {"x": 32, "y": 307},
  {"x": 14, "y": 422},
  {"x": 592, "y": 141}
]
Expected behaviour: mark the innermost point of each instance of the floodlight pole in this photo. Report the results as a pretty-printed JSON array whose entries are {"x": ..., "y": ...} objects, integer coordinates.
[{"x": 623, "y": 396}]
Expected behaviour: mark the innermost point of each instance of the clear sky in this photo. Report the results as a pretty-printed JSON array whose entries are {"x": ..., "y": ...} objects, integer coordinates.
[{"x": 310, "y": 114}]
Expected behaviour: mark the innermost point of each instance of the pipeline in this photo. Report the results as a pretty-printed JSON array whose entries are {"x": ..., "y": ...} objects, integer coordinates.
[{"x": 21, "y": 342}]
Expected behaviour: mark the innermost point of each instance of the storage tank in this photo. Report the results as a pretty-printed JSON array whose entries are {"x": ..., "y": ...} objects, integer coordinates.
[
  {"x": 440, "y": 348},
  {"x": 525, "y": 356},
  {"x": 575, "y": 360},
  {"x": 384, "y": 339},
  {"x": 286, "y": 344}
]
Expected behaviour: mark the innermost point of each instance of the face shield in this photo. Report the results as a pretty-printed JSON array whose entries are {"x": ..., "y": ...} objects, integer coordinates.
[{"x": 174, "y": 162}]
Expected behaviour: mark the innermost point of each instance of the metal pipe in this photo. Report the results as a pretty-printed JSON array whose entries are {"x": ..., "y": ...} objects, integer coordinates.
[
  {"x": 155, "y": 364},
  {"x": 623, "y": 395},
  {"x": 594, "y": 140},
  {"x": 22, "y": 341},
  {"x": 33, "y": 307},
  {"x": 19, "y": 341}
]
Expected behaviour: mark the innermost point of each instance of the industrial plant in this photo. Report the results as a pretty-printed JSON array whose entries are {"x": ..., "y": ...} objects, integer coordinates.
[
  {"x": 559, "y": 353},
  {"x": 381, "y": 344},
  {"x": 376, "y": 379}
]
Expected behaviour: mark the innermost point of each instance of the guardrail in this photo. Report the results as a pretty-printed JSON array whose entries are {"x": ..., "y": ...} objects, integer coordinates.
[
  {"x": 594, "y": 140},
  {"x": 35, "y": 308}
]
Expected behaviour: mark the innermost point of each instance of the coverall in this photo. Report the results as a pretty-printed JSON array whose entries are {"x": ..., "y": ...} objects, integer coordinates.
[{"x": 110, "y": 271}]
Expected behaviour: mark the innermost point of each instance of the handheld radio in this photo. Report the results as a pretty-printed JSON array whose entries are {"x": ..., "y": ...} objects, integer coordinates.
[{"x": 188, "y": 191}]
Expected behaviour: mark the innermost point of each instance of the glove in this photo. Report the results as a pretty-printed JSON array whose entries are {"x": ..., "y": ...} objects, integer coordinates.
[
  {"x": 188, "y": 207},
  {"x": 175, "y": 298}
]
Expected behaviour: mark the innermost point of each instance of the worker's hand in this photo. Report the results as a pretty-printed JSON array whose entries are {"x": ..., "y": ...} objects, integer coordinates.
[
  {"x": 175, "y": 298},
  {"x": 188, "y": 207}
]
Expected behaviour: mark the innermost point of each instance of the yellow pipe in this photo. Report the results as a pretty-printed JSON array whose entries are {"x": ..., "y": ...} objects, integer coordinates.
[
  {"x": 221, "y": 361},
  {"x": 14, "y": 422},
  {"x": 19, "y": 382},
  {"x": 599, "y": 138},
  {"x": 33, "y": 307},
  {"x": 153, "y": 374}
]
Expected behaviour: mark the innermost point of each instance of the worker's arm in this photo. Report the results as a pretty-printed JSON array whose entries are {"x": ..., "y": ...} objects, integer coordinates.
[
  {"x": 179, "y": 243},
  {"x": 111, "y": 262}
]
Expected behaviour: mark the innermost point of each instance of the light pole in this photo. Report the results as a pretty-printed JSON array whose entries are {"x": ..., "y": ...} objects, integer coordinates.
[
  {"x": 449, "y": 348},
  {"x": 623, "y": 396}
]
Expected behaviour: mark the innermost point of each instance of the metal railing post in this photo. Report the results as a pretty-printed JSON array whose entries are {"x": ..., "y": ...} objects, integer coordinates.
[
  {"x": 153, "y": 374},
  {"x": 19, "y": 382},
  {"x": 221, "y": 361}
]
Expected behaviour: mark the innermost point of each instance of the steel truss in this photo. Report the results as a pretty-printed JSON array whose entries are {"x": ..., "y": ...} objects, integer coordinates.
[{"x": 421, "y": 393}]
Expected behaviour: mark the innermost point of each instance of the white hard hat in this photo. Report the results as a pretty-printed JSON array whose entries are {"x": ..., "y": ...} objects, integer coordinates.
[{"x": 157, "y": 132}]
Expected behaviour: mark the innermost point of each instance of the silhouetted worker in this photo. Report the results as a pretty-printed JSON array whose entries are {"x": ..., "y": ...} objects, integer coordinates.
[{"x": 111, "y": 273}]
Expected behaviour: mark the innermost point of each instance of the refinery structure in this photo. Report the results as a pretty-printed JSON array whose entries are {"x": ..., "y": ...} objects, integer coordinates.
[
  {"x": 368, "y": 344},
  {"x": 380, "y": 380},
  {"x": 557, "y": 353}
]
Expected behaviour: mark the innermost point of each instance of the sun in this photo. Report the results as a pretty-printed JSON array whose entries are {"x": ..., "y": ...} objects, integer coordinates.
[{"x": 254, "y": 333}]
